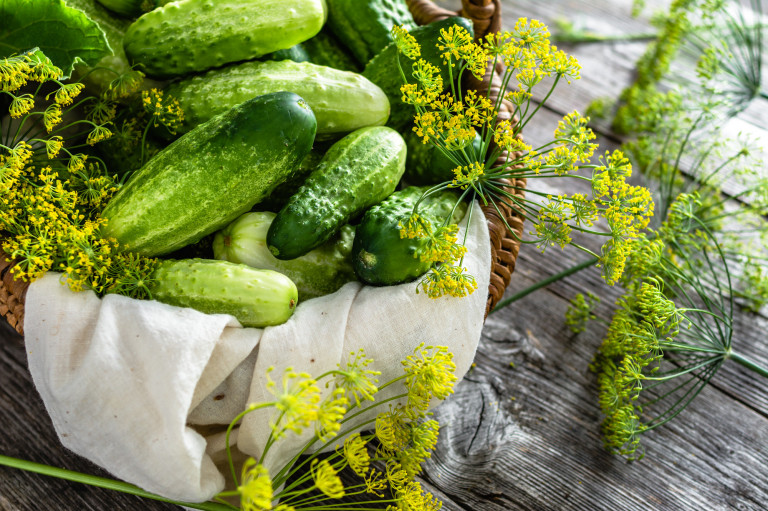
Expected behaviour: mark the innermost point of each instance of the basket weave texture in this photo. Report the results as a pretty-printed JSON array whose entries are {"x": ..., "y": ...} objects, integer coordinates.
[{"x": 486, "y": 17}]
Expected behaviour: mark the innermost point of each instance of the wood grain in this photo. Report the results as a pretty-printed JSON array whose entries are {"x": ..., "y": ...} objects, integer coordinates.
[{"x": 522, "y": 437}]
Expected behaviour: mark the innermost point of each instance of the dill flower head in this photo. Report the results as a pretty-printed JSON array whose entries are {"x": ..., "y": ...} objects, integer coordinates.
[
  {"x": 67, "y": 93},
  {"x": 165, "y": 111},
  {"x": 256, "y": 491},
  {"x": 447, "y": 279},
  {"x": 330, "y": 413},
  {"x": 429, "y": 373},
  {"x": 326, "y": 479},
  {"x": 21, "y": 105},
  {"x": 356, "y": 454},
  {"x": 297, "y": 400},
  {"x": 393, "y": 430},
  {"x": 356, "y": 379},
  {"x": 405, "y": 42},
  {"x": 580, "y": 311}
]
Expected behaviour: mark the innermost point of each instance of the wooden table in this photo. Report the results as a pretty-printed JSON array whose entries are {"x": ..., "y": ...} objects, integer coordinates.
[{"x": 522, "y": 430}]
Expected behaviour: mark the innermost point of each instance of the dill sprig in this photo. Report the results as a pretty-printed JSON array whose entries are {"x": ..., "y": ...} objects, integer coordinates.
[
  {"x": 450, "y": 121},
  {"x": 670, "y": 334}
]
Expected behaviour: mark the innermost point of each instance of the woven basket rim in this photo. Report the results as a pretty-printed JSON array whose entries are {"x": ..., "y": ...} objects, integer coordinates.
[{"x": 486, "y": 16}]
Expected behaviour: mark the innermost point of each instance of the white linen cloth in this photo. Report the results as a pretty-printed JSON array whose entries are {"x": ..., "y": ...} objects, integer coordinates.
[{"x": 124, "y": 380}]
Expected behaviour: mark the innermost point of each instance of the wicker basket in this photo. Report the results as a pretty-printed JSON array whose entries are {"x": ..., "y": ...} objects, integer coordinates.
[{"x": 486, "y": 16}]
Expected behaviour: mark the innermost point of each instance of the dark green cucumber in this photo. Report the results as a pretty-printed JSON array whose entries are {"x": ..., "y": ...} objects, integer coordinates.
[
  {"x": 427, "y": 165},
  {"x": 319, "y": 272},
  {"x": 194, "y": 35},
  {"x": 358, "y": 171},
  {"x": 257, "y": 298},
  {"x": 324, "y": 49},
  {"x": 211, "y": 175},
  {"x": 364, "y": 26},
  {"x": 383, "y": 71},
  {"x": 342, "y": 101},
  {"x": 380, "y": 256}
]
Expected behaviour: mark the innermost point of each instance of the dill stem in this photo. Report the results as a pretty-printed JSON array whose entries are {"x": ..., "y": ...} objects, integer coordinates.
[
  {"x": 748, "y": 363},
  {"x": 102, "y": 482},
  {"x": 544, "y": 283}
]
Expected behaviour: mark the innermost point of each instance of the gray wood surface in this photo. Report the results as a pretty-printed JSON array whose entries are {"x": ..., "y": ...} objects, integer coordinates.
[{"x": 522, "y": 430}]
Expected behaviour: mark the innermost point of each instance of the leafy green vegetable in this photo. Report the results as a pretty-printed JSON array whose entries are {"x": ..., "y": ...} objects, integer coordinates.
[{"x": 64, "y": 34}]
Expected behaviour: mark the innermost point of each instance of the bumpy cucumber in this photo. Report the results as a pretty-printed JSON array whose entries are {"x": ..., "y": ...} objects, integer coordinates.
[
  {"x": 342, "y": 101},
  {"x": 256, "y": 298},
  {"x": 319, "y": 272},
  {"x": 326, "y": 50},
  {"x": 364, "y": 25},
  {"x": 426, "y": 165},
  {"x": 383, "y": 71},
  {"x": 379, "y": 255},
  {"x": 211, "y": 175},
  {"x": 195, "y": 35},
  {"x": 358, "y": 171}
]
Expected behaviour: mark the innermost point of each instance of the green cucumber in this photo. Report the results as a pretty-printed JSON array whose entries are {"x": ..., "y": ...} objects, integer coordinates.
[
  {"x": 326, "y": 50},
  {"x": 319, "y": 272},
  {"x": 358, "y": 171},
  {"x": 211, "y": 175},
  {"x": 257, "y": 298},
  {"x": 427, "y": 165},
  {"x": 380, "y": 256},
  {"x": 195, "y": 35},
  {"x": 364, "y": 26},
  {"x": 383, "y": 71},
  {"x": 342, "y": 101}
]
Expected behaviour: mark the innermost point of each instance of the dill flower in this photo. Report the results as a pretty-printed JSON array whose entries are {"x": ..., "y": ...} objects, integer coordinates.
[
  {"x": 67, "y": 93},
  {"x": 356, "y": 454},
  {"x": 53, "y": 146},
  {"x": 164, "y": 111},
  {"x": 580, "y": 311},
  {"x": 392, "y": 430},
  {"x": 297, "y": 400},
  {"x": 256, "y": 491},
  {"x": 21, "y": 105},
  {"x": 326, "y": 479},
  {"x": 446, "y": 279},
  {"x": 52, "y": 116},
  {"x": 330, "y": 414},
  {"x": 405, "y": 42},
  {"x": 98, "y": 134},
  {"x": 429, "y": 373},
  {"x": 356, "y": 379}
]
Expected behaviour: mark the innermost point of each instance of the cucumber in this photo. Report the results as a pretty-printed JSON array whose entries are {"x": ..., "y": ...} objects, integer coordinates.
[
  {"x": 319, "y": 272},
  {"x": 342, "y": 101},
  {"x": 380, "y": 256},
  {"x": 383, "y": 71},
  {"x": 195, "y": 35},
  {"x": 426, "y": 165},
  {"x": 364, "y": 26},
  {"x": 257, "y": 298},
  {"x": 326, "y": 50},
  {"x": 358, "y": 171},
  {"x": 211, "y": 175}
]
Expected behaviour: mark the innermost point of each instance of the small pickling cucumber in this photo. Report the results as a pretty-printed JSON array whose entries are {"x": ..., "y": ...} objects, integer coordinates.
[
  {"x": 319, "y": 272},
  {"x": 383, "y": 71},
  {"x": 342, "y": 101},
  {"x": 358, "y": 171},
  {"x": 194, "y": 35},
  {"x": 380, "y": 256},
  {"x": 364, "y": 26},
  {"x": 257, "y": 298},
  {"x": 211, "y": 175},
  {"x": 427, "y": 165}
]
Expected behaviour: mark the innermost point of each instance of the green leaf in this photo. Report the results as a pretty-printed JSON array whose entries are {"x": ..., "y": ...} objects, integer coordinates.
[{"x": 64, "y": 34}]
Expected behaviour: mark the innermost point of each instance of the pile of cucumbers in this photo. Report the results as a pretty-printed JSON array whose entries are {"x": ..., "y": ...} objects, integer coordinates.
[{"x": 294, "y": 143}]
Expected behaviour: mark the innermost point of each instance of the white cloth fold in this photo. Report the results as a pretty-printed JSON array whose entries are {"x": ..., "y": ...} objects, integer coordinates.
[{"x": 123, "y": 380}]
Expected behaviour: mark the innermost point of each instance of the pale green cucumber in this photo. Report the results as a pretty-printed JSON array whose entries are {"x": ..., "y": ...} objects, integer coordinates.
[
  {"x": 342, "y": 101},
  {"x": 211, "y": 175},
  {"x": 319, "y": 272},
  {"x": 257, "y": 298},
  {"x": 194, "y": 35}
]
